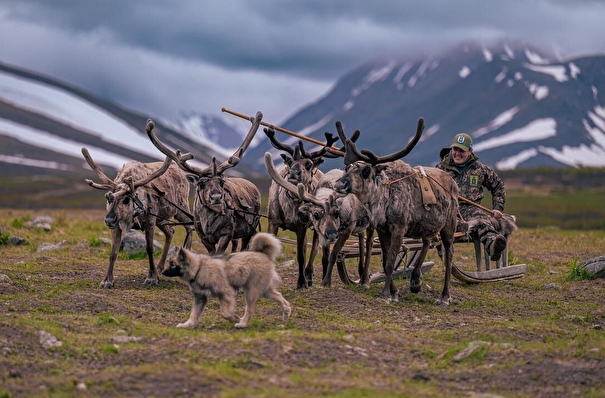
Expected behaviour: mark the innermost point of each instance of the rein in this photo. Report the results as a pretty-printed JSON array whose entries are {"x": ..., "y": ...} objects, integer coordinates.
[{"x": 140, "y": 206}]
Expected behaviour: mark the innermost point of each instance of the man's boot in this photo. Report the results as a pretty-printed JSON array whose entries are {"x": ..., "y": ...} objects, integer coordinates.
[{"x": 496, "y": 246}]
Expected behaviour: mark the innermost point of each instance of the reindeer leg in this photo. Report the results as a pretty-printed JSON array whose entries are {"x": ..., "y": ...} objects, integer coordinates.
[
  {"x": 116, "y": 239},
  {"x": 188, "y": 228},
  {"x": 447, "y": 241},
  {"x": 209, "y": 245},
  {"x": 152, "y": 277},
  {"x": 392, "y": 242},
  {"x": 223, "y": 243},
  {"x": 309, "y": 268},
  {"x": 333, "y": 255},
  {"x": 168, "y": 231},
  {"x": 416, "y": 278},
  {"x": 369, "y": 245},
  {"x": 301, "y": 248}
]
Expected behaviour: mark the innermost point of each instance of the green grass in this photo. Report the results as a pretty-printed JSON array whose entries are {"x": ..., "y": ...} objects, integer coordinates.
[
  {"x": 568, "y": 210},
  {"x": 340, "y": 341}
]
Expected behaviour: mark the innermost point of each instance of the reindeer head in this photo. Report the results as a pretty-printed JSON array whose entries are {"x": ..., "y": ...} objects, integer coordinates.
[
  {"x": 363, "y": 169},
  {"x": 302, "y": 165},
  {"x": 320, "y": 209},
  {"x": 123, "y": 202},
  {"x": 209, "y": 182}
]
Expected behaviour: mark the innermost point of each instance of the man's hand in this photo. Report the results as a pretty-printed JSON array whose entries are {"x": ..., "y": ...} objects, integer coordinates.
[{"x": 496, "y": 213}]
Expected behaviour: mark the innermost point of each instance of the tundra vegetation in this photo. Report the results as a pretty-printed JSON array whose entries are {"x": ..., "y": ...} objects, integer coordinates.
[{"x": 541, "y": 335}]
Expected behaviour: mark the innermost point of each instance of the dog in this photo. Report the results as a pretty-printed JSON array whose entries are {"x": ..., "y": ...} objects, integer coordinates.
[{"x": 222, "y": 275}]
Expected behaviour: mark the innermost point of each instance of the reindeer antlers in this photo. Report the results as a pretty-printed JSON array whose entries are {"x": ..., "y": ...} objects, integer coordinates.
[
  {"x": 109, "y": 184},
  {"x": 352, "y": 155},
  {"x": 213, "y": 168}
]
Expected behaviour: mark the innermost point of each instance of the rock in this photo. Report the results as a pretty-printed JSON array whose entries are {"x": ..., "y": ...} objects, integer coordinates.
[
  {"x": 50, "y": 246},
  {"x": 595, "y": 266},
  {"x": 16, "y": 240},
  {"x": 125, "y": 339},
  {"x": 134, "y": 242},
  {"x": 472, "y": 347},
  {"x": 48, "y": 340},
  {"x": 41, "y": 222}
]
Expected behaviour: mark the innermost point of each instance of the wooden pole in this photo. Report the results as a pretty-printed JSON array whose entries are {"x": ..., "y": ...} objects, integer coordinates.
[
  {"x": 470, "y": 202},
  {"x": 283, "y": 130}
]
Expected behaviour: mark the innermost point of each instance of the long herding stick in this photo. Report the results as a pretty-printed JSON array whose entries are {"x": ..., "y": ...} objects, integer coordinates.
[{"x": 283, "y": 130}]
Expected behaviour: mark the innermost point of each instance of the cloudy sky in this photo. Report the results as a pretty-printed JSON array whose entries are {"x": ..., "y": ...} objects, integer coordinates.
[{"x": 166, "y": 58}]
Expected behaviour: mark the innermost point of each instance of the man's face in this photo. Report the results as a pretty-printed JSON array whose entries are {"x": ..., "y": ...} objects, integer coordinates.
[{"x": 459, "y": 156}]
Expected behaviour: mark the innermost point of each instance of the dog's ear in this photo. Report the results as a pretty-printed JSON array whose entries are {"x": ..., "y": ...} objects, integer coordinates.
[{"x": 182, "y": 256}]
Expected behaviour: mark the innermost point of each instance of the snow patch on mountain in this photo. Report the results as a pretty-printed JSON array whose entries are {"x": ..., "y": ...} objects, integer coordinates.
[
  {"x": 558, "y": 72},
  {"x": 43, "y": 139},
  {"x": 512, "y": 162},
  {"x": 464, "y": 72},
  {"x": 497, "y": 122},
  {"x": 66, "y": 108},
  {"x": 537, "y": 130}
]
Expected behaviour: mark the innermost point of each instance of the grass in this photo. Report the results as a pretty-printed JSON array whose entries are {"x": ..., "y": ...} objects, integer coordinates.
[{"x": 540, "y": 335}]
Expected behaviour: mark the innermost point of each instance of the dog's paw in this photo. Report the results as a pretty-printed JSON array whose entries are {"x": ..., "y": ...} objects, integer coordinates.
[
  {"x": 287, "y": 313},
  {"x": 185, "y": 325},
  {"x": 240, "y": 325}
]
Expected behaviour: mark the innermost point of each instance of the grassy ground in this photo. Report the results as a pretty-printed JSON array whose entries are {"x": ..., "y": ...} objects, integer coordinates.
[{"x": 538, "y": 336}]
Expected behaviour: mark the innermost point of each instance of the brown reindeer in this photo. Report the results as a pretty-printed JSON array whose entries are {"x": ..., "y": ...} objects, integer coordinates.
[
  {"x": 333, "y": 219},
  {"x": 392, "y": 191},
  {"x": 225, "y": 208},
  {"x": 300, "y": 167},
  {"x": 143, "y": 196}
]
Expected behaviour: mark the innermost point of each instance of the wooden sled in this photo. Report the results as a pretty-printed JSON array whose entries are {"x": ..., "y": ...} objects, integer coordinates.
[
  {"x": 410, "y": 250},
  {"x": 486, "y": 270},
  {"x": 500, "y": 271}
]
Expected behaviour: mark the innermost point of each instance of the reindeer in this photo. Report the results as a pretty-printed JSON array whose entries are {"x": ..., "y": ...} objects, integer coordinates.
[
  {"x": 391, "y": 189},
  {"x": 333, "y": 219},
  {"x": 282, "y": 209},
  {"x": 225, "y": 208},
  {"x": 143, "y": 195}
]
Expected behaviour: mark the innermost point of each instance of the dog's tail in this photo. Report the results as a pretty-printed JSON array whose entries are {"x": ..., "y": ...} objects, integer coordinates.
[{"x": 266, "y": 243}]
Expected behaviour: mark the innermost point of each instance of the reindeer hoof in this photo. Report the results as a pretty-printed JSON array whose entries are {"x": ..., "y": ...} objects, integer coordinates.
[
  {"x": 106, "y": 285},
  {"x": 443, "y": 302},
  {"x": 151, "y": 281}
]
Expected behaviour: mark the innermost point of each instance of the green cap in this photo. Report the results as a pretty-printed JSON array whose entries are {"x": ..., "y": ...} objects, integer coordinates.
[{"x": 462, "y": 141}]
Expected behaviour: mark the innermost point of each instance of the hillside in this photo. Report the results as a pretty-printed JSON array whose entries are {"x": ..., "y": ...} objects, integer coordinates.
[{"x": 523, "y": 108}]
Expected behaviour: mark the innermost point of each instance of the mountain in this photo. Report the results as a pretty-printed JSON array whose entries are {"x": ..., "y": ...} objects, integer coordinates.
[
  {"x": 524, "y": 108},
  {"x": 44, "y": 124}
]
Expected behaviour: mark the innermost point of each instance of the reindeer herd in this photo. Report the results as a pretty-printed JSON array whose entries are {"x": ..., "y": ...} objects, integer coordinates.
[{"x": 373, "y": 193}]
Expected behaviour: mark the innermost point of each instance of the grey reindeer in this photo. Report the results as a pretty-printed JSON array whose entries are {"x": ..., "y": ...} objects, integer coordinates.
[
  {"x": 143, "y": 196},
  {"x": 333, "y": 219},
  {"x": 392, "y": 191},
  {"x": 225, "y": 208},
  {"x": 300, "y": 167}
]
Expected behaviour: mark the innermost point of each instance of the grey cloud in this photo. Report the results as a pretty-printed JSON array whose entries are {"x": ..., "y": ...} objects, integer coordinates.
[{"x": 173, "y": 56}]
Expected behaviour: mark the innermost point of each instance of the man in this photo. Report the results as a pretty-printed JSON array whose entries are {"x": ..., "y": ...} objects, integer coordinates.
[{"x": 472, "y": 176}]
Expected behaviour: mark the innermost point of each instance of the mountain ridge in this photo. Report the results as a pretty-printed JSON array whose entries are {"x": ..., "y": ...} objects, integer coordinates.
[{"x": 522, "y": 108}]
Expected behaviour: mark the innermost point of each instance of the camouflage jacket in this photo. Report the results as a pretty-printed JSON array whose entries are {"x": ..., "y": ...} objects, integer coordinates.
[{"x": 472, "y": 177}]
